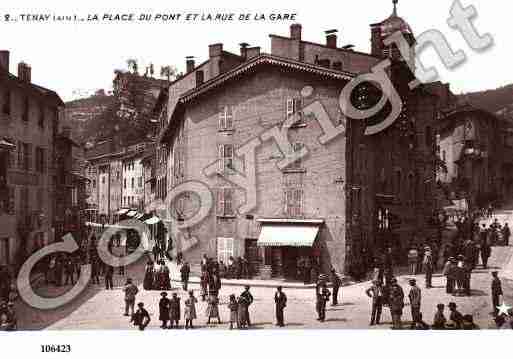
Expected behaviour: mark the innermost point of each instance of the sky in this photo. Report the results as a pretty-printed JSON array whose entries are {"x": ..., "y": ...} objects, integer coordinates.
[{"x": 77, "y": 58}]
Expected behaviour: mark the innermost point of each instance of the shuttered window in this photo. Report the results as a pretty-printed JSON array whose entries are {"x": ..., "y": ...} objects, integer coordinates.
[
  {"x": 225, "y": 202},
  {"x": 226, "y": 158},
  {"x": 226, "y": 118},
  {"x": 293, "y": 202}
]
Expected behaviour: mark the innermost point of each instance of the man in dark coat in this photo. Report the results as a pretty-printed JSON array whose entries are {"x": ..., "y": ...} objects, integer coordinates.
[
  {"x": 376, "y": 293},
  {"x": 109, "y": 273},
  {"x": 396, "y": 303},
  {"x": 496, "y": 291},
  {"x": 323, "y": 296},
  {"x": 428, "y": 267},
  {"x": 69, "y": 269},
  {"x": 184, "y": 273},
  {"x": 214, "y": 283},
  {"x": 164, "y": 306},
  {"x": 415, "y": 297},
  {"x": 280, "y": 300},
  {"x": 336, "y": 282},
  {"x": 248, "y": 297},
  {"x": 486, "y": 252},
  {"x": 174, "y": 311},
  {"x": 506, "y": 233},
  {"x": 455, "y": 318},
  {"x": 141, "y": 317}
]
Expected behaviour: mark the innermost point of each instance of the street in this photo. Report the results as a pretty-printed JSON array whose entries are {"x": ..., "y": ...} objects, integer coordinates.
[{"x": 98, "y": 308}]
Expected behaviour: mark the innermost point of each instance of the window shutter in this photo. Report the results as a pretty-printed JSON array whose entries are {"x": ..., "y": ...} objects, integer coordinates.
[
  {"x": 220, "y": 161},
  {"x": 229, "y": 117},
  {"x": 222, "y": 118},
  {"x": 228, "y": 201},
  {"x": 290, "y": 107},
  {"x": 220, "y": 202}
]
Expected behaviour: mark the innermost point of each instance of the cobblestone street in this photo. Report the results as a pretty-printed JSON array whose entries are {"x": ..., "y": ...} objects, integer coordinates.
[{"x": 98, "y": 308}]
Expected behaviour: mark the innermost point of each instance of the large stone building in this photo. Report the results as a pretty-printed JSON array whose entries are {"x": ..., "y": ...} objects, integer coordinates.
[
  {"x": 351, "y": 195},
  {"x": 28, "y": 126}
]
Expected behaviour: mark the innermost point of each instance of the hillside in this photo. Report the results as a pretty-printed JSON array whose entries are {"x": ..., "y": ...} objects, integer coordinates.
[{"x": 497, "y": 101}]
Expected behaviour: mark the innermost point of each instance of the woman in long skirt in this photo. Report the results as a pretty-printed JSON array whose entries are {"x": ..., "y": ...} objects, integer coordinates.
[
  {"x": 164, "y": 306},
  {"x": 148, "y": 276},
  {"x": 242, "y": 312},
  {"x": 213, "y": 308},
  {"x": 189, "y": 312}
]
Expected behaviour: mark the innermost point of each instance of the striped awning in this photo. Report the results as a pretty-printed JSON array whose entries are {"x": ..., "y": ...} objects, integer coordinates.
[
  {"x": 122, "y": 211},
  {"x": 288, "y": 234},
  {"x": 139, "y": 216},
  {"x": 131, "y": 213},
  {"x": 152, "y": 220}
]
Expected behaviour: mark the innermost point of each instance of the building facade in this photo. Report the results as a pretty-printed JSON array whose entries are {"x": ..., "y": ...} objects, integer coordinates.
[
  {"x": 29, "y": 121},
  {"x": 340, "y": 202}
]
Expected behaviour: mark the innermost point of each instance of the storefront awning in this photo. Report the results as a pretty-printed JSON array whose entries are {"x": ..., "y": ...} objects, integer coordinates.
[
  {"x": 290, "y": 234},
  {"x": 122, "y": 211},
  {"x": 152, "y": 220},
  {"x": 131, "y": 213}
]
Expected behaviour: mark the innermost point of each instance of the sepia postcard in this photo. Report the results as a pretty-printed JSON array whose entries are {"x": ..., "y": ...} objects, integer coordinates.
[{"x": 206, "y": 167}]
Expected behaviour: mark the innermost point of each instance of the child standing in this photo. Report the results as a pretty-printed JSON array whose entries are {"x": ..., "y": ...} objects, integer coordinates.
[
  {"x": 233, "y": 306},
  {"x": 213, "y": 307}
]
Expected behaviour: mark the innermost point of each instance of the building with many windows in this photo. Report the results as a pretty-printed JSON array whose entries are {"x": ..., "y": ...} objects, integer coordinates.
[
  {"x": 327, "y": 192},
  {"x": 28, "y": 129}
]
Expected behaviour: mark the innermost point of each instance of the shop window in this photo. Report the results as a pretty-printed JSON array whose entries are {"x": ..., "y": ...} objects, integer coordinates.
[
  {"x": 225, "y": 249},
  {"x": 294, "y": 107}
]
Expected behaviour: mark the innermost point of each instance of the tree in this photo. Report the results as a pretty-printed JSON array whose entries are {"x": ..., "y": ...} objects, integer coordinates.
[{"x": 168, "y": 72}]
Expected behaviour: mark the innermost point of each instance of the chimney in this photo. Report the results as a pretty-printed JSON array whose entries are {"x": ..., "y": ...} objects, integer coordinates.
[
  {"x": 331, "y": 38},
  {"x": 376, "y": 42},
  {"x": 189, "y": 63},
  {"x": 215, "y": 52},
  {"x": 24, "y": 72},
  {"x": 295, "y": 31},
  {"x": 243, "y": 50},
  {"x": 4, "y": 60},
  {"x": 252, "y": 52}
]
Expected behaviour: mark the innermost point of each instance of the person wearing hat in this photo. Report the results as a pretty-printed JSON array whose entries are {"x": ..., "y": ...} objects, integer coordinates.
[
  {"x": 174, "y": 311},
  {"x": 336, "y": 283},
  {"x": 428, "y": 266},
  {"x": 233, "y": 306},
  {"x": 131, "y": 291},
  {"x": 248, "y": 298},
  {"x": 213, "y": 307},
  {"x": 396, "y": 303},
  {"x": 496, "y": 291},
  {"x": 439, "y": 319},
  {"x": 141, "y": 317},
  {"x": 189, "y": 312},
  {"x": 450, "y": 272},
  {"x": 455, "y": 318},
  {"x": 468, "y": 323},
  {"x": 415, "y": 297},
  {"x": 164, "y": 305},
  {"x": 280, "y": 301},
  {"x": 375, "y": 292},
  {"x": 323, "y": 296},
  {"x": 185, "y": 271}
]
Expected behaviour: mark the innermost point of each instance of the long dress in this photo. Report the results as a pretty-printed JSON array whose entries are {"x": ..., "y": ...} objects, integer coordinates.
[
  {"x": 189, "y": 312},
  {"x": 148, "y": 278},
  {"x": 213, "y": 307},
  {"x": 242, "y": 312}
]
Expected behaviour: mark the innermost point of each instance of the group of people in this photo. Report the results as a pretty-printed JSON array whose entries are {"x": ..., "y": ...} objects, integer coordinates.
[
  {"x": 8, "y": 321},
  {"x": 396, "y": 303},
  {"x": 157, "y": 276}
]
